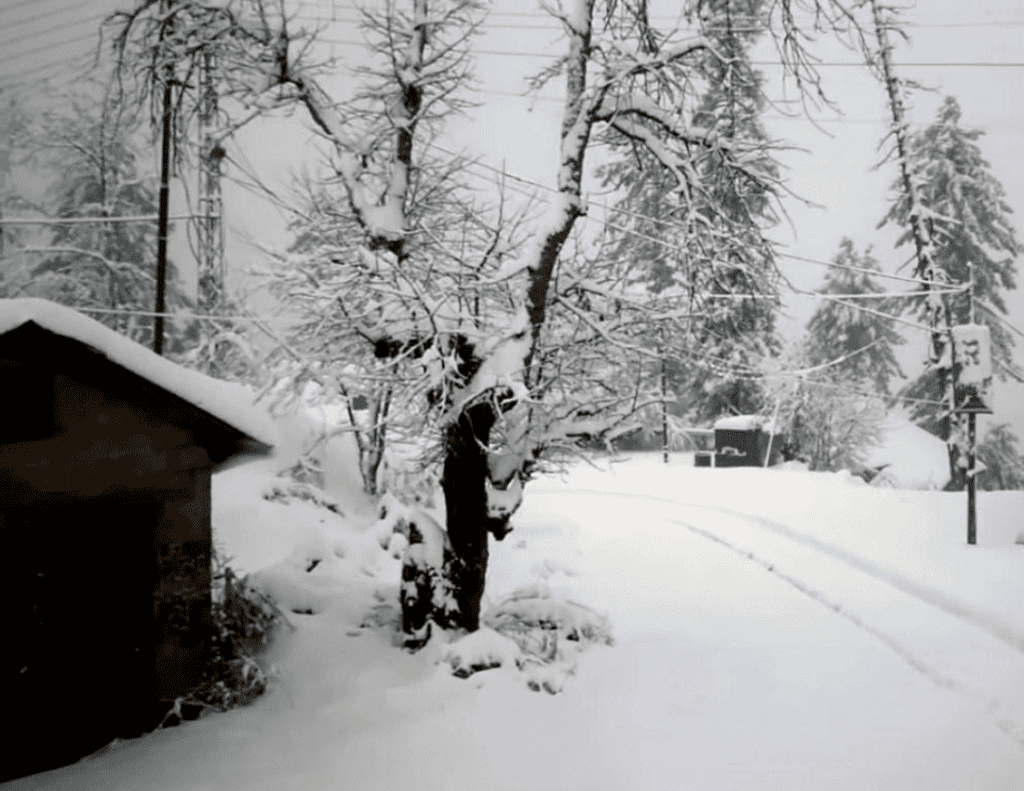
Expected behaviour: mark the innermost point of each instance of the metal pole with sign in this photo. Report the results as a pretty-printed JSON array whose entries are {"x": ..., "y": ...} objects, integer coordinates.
[{"x": 972, "y": 346}]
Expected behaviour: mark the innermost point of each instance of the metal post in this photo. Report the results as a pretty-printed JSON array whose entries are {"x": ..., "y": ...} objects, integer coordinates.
[
  {"x": 664, "y": 411},
  {"x": 161, "y": 238},
  {"x": 972, "y": 527}
]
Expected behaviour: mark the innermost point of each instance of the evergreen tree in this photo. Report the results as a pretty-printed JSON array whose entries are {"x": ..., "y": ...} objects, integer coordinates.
[
  {"x": 969, "y": 221},
  {"x": 707, "y": 243},
  {"x": 837, "y": 329},
  {"x": 1001, "y": 462}
]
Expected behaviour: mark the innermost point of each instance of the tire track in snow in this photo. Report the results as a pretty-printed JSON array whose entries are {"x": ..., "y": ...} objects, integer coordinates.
[
  {"x": 997, "y": 628},
  {"x": 1009, "y": 727},
  {"x": 922, "y": 667},
  {"x": 928, "y": 596}
]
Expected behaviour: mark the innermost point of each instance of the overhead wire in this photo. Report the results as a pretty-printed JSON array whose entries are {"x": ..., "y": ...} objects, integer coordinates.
[
  {"x": 669, "y": 224},
  {"x": 8, "y": 26},
  {"x": 856, "y": 64},
  {"x": 49, "y": 31},
  {"x": 21, "y": 4},
  {"x": 54, "y": 45}
]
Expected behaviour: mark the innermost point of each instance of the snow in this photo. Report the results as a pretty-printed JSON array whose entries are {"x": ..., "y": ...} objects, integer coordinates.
[
  {"x": 910, "y": 457},
  {"x": 741, "y": 423},
  {"x": 773, "y": 629},
  {"x": 232, "y": 403}
]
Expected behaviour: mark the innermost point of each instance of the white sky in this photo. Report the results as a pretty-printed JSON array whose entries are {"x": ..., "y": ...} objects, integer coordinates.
[{"x": 42, "y": 39}]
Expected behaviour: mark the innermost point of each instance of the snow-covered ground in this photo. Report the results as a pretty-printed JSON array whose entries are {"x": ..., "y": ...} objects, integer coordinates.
[{"x": 772, "y": 629}]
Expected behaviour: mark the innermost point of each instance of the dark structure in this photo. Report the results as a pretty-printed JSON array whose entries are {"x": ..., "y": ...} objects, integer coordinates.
[
  {"x": 105, "y": 523},
  {"x": 741, "y": 442}
]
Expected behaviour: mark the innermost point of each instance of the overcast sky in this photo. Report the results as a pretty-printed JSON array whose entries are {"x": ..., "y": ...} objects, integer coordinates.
[{"x": 955, "y": 47}]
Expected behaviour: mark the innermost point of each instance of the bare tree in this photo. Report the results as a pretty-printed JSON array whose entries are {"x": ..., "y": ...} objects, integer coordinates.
[{"x": 501, "y": 406}]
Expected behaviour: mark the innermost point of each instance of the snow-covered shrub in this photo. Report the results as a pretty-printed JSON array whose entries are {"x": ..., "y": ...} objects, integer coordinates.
[
  {"x": 830, "y": 421},
  {"x": 550, "y": 632},
  {"x": 540, "y": 622},
  {"x": 244, "y": 621},
  {"x": 426, "y": 557},
  {"x": 1001, "y": 464},
  {"x": 483, "y": 649},
  {"x": 287, "y": 491}
]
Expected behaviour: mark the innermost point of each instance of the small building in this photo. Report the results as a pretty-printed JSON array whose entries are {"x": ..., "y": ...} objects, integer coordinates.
[
  {"x": 106, "y": 452},
  {"x": 742, "y": 441}
]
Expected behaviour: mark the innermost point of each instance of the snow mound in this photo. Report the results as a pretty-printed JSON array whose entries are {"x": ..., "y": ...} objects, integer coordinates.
[
  {"x": 545, "y": 625},
  {"x": 909, "y": 456},
  {"x": 299, "y": 546},
  {"x": 481, "y": 650}
]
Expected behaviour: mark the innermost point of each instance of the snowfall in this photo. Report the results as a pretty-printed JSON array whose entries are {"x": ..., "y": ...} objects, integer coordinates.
[{"x": 706, "y": 629}]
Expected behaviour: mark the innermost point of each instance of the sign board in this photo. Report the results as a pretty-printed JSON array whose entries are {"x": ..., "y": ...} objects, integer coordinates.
[{"x": 972, "y": 352}]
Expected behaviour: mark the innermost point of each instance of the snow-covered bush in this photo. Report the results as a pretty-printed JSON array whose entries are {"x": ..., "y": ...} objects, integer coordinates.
[
  {"x": 244, "y": 621},
  {"x": 1001, "y": 464},
  {"x": 526, "y": 613},
  {"x": 829, "y": 422}
]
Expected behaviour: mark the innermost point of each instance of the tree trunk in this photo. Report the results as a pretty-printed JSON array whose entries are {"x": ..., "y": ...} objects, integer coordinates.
[{"x": 465, "y": 473}]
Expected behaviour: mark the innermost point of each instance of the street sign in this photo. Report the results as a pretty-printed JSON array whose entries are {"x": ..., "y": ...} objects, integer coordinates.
[{"x": 972, "y": 352}]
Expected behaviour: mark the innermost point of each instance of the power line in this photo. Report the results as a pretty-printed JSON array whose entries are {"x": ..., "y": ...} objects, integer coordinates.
[
  {"x": 51, "y": 30},
  {"x": 873, "y": 272},
  {"x": 68, "y": 42},
  {"x": 992, "y": 311},
  {"x": 856, "y": 64},
  {"x": 557, "y": 28},
  {"x": 36, "y": 17},
  {"x": 66, "y": 62},
  {"x": 606, "y": 209},
  {"x": 22, "y": 4},
  {"x": 87, "y": 220}
]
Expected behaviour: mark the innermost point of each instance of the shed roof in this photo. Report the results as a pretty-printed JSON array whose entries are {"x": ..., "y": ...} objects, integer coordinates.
[{"x": 230, "y": 402}]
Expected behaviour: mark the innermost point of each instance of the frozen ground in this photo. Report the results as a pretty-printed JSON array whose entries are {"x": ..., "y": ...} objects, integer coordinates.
[{"x": 773, "y": 630}]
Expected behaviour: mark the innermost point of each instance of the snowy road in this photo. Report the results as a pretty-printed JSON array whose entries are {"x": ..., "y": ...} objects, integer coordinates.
[
  {"x": 740, "y": 677},
  {"x": 744, "y": 660}
]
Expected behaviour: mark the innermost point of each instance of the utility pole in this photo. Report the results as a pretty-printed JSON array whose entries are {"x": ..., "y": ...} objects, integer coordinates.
[
  {"x": 920, "y": 228},
  {"x": 162, "y": 221},
  {"x": 973, "y": 347},
  {"x": 664, "y": 408},
  {"x": 211, "y": 229},
  {"x": 972, "y": 518}
]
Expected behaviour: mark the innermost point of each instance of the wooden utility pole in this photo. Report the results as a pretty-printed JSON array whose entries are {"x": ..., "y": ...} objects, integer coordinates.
[
  {"x": 972, "y": 520},
  {"x": 162, "y": 219},
  {"x": 972, "y": 344},
  {"x": 664, "y": 413},
  {"x": 162, "y": 222},
  {"x": 921, "y": 231}
]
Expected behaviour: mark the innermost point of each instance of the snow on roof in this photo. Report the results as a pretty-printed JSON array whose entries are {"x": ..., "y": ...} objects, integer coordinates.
[
  {"x": 743, "y": 423},
  {"x": 228, "y": 401}
]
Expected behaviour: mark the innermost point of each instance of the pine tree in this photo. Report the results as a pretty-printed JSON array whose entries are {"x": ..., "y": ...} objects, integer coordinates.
[
  {"x": 853, "y": 329},
  {"x": 969, "y": 217},
  {"x": 707, "y": 244},
  {"x": 974, "y": 240}
]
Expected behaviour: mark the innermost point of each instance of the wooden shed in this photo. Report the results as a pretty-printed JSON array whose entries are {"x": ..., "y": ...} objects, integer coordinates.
[{"x": 106, "y": 452}]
